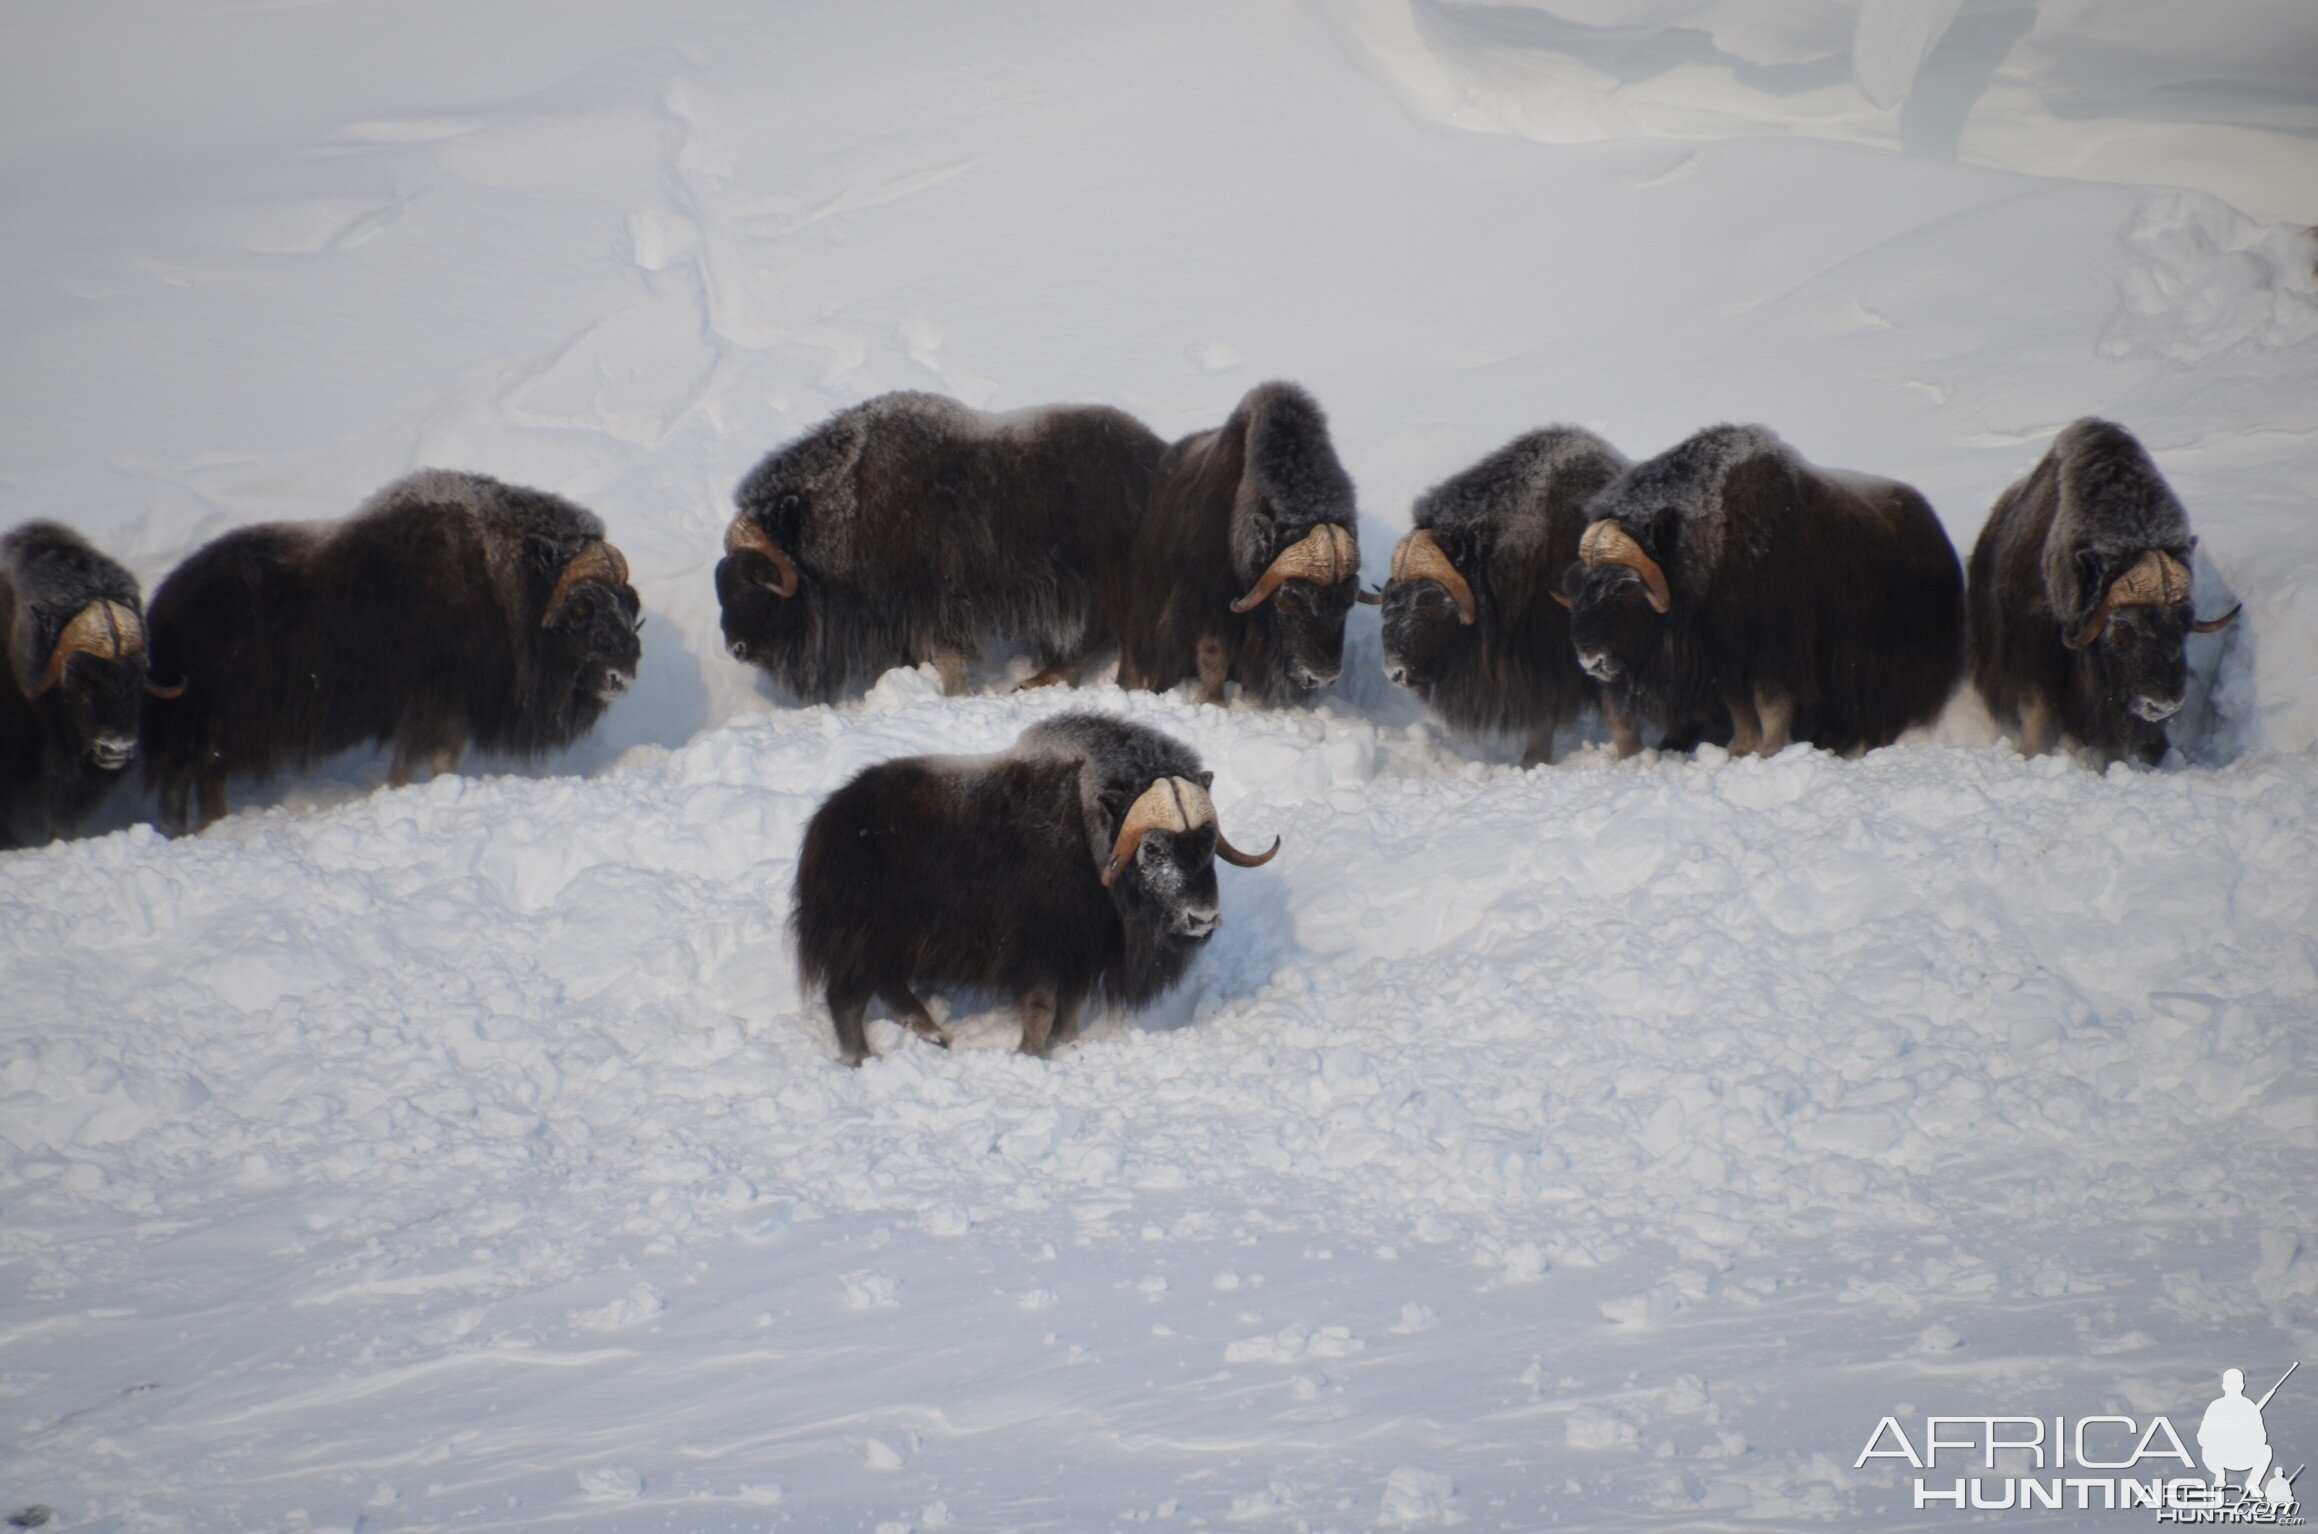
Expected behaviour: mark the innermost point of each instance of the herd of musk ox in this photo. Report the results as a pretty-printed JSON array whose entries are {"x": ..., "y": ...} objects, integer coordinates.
[{"x": 1725, "y": 591}]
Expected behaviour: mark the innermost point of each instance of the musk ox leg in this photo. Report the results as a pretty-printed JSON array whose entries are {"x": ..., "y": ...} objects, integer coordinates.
[
  {"x": 911, "y": 1013},
  {"x": 2038, "y": 734},
  {"x": 1068, "y": 1006},
  {"x": 176, "y": 806},
  {"x": 1130, "y": 675},
  {"x": 433, "y": 761},
  {"x": 1038, "y": 1015},
  {"x": 845, "y": 1010},
  {"x": 1746, "y": 728},
  {"x": 1539, "y": 752},
  {"x": 950, "y": 666},
  {"x": 1214, "y": 668},
  {"x": 1778, "y": 722},
  {"x": 212, "y": 791},
  {"x": 1065, "y": 671},
  {"x": 1625, "y": 740}
]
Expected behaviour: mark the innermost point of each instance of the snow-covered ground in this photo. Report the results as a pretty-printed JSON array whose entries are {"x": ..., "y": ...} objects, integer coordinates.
[{"x": 1605, "y": 1146}]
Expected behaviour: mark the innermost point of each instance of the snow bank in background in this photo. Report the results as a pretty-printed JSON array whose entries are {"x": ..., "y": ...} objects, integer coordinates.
[
  {"x": 1610, "y": 1144},
  {"x": 2220, "y": 98}
]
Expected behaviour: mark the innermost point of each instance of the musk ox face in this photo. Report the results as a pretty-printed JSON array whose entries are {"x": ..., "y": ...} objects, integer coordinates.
[
  {"x": 101, "y": 699},
  {"x": 1305, "y": 622},
  {"x": 1612, "y": 622},
  {"x": 1167, "y": 887},
  {"x": 760, "y": 593},
  {"x": 759, "y": 623},
  {"x": 595, "y": 638},
  {"x": 1426, "y": 637},
  {"x": 1298, "y": 604},
  {"x": 2139, "y": 664}
]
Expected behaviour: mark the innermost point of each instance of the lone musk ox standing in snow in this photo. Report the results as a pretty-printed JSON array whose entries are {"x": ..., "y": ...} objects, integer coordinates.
[
  {"x": 1728, "y": 579},
  {"x": 1080, "y": 863},
  {"x": 450, "y": 610},
  {"x": 911, "y": 529},
  {"x": 2080, "y": 599},
  {"x": 73, "y": 636},
  {"x": 1246, "y": 564},
  {"x": 1468, "y": 624}
]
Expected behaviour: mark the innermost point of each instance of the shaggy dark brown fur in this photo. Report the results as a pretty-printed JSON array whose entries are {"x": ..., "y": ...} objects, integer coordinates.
[
  {"x": 424, "y": 622},
  {"x": 986, "y": 873},
  {"x": 1509, "y": 525},
  {"x": 1226, "y": 504},
  {"x": 2051, "y": 549},
  {"x": 920, "y": 530},
  {"x": 1805, "y": 603}
]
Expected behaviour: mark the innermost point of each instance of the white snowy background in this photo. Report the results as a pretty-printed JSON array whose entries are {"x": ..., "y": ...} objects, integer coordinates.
[{"x": 1607, "y": 1146}]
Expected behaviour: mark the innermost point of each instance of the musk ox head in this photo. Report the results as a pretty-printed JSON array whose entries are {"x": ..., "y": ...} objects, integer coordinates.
[
  {"x": 1291, "y": 535},
  {"x": 593, "y": 626},
  {"x": 800, "y": 495},
  {"x": 1618, "y": 599},
  {"x": 1431, "y": 615},
  {"x": 1161, "y": 868},
  {"x": 759, "y": 594},
  {"x": 95, "y": 678},
  {"x": 2133, "y": 639},
  {"x": 1300, "y": 602}
]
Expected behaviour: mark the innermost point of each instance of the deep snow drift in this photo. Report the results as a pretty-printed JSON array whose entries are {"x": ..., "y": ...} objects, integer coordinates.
[{"x": 1606, "y": 1145}]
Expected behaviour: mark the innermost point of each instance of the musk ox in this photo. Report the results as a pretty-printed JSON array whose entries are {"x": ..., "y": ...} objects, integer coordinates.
[
  {"x": 1469, "y": 624},
  {"x": 450, "y": 610},
  {"x": 1078, "y": 864},
  {"x": 911, "y": 529},
  {"x": 1246, "y": 563},
  {"x": 1729, "y": 579},
  {"x": 73, "y": 633},
  {"x": 2080, "y": 599}
]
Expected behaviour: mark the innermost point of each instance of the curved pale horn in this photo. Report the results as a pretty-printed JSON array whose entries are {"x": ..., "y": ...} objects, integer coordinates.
[
  {"x": 598, "y": 561},
  {"x": 107, "y": 630},
  {"x": 1238, "y": 859},
  {"x": 1174, "y": 804},
  {"x": 1606, "y": 543},
  {"x": 2216, "y": 625},
  {"x": 2157, "y": 579},
  {"x": 745, "y": 534},
  {"x": 1323, "y": 556},
  {"x": 1420, "y": 558}
]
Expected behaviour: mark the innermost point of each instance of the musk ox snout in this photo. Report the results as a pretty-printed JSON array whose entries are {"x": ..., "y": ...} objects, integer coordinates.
[
  {"x": 2156, "y": 709},
  {"x": 1196, "y": 921},
  {"x": 1601, "y": 665},
  {"x": 110, "y": 753},
  {"x": 1312, "y": 679}
]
